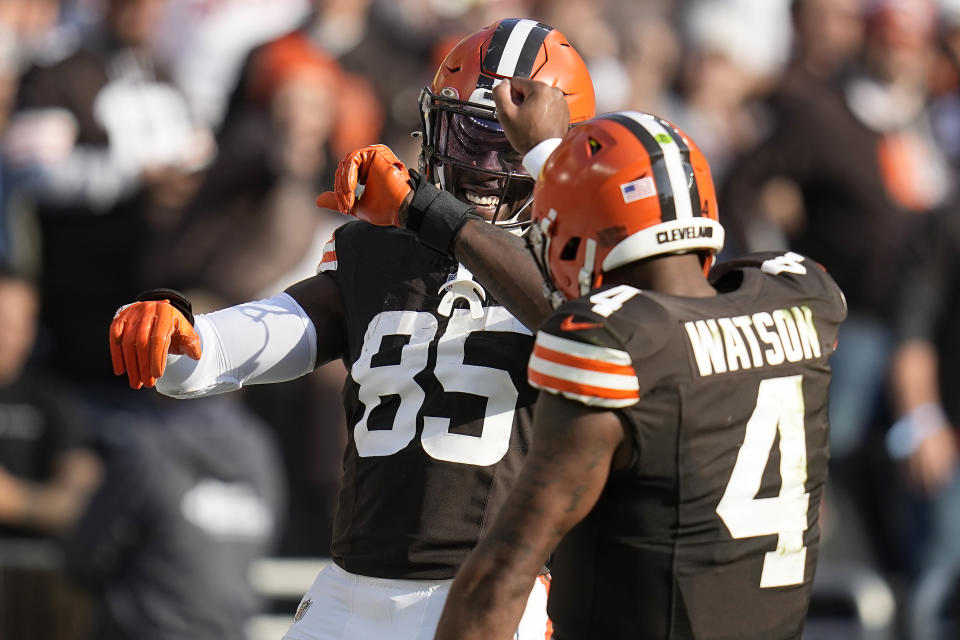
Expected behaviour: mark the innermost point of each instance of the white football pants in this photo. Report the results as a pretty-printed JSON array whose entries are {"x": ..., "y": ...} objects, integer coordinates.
[{"x": 344, "y": 606}]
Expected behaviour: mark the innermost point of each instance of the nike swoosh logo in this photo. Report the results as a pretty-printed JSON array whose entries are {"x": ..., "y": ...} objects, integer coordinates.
[{"x": 569, "y": 325}]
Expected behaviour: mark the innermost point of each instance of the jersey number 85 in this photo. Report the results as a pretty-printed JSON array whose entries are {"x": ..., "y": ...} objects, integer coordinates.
[{"x": 376, "y": 382}]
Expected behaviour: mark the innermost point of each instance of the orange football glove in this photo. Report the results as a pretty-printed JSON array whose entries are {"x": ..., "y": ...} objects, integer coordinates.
[
  {"x": 141, "y": 336},
  {"x": 384, "y": 180},
  {"x": 328, "y": 200}
]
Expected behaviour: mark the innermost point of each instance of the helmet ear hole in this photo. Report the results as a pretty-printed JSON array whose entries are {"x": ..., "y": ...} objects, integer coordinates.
[
  {"x": 593, "y": 146},
  {"x": 569, "y": 251}
]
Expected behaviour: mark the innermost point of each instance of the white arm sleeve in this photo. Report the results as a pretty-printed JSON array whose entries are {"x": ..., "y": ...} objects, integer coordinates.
[
  {"x": 534, "y": 160},
  {"x": 270, "y": 340}
]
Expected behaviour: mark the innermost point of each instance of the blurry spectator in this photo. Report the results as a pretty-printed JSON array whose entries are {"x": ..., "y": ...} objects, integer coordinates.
[
  {"x": 206, "y": 41},
  {"x": 8, "y": 90},
  {"x": 256, "y": 205},
  {"x": 925, "y": 374},
  {"x": 28, "y": 31},
  {"x": 587, "y": 27},
  {"x": 256, "y": 208},
  {"x": 719, "y": 78},
  {"x": 190, "y": 498},
  {"x": 293, "y": 114},
  {"x": 891, "y": 96},
  {"x": 755, "y": 34},
  {"x": 332, "y": 30},
  {"x": 946, "y": 105},
  {"x": 651, "y": 59},
  {"x": 397, "y": 49},
  {"x": 828, "y": 35},
  {"x": 715, "y": 104},
  {"x": 47, "y": 471},
  {"x": 26, "y": 28},
  {"x": 849, "y": 159},
  {"x": 107, "y": 151}
]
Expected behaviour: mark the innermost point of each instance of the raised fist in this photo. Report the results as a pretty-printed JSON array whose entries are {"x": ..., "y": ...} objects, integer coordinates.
[
  {"x": 385, "y": 186},
  {"x": 141, "y": 336},
  {"x": 530, "y": 112}
]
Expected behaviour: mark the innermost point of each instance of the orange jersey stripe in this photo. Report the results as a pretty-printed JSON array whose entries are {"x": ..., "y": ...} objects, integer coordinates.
[
  {"x": 560, "y": 384},
  {"x": 545, "y": 581},
  {"x": 581, "y": 363},
  {"x": 329, "y": 256}
]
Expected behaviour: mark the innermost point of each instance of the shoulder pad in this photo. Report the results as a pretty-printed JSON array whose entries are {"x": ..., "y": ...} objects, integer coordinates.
[
  {"x": 575, "y": 355},
  {"x": 804, "y": 271}
]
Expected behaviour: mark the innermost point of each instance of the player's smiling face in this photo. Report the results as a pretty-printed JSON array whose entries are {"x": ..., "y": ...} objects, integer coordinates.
[
  {"x": 481, "y": 190},
  {"x": 486, "y": 193},
  {"x": 485, "y": 171}
]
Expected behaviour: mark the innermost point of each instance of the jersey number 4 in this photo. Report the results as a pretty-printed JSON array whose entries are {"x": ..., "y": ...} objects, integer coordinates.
[
  {"x": 397, "y": 379},
  {"x": 780, "y": 409}
]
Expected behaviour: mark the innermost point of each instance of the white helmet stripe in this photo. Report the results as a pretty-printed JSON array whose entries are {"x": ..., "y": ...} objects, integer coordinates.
[
  {"x": 672, "y": 159},
  {"x": 586, "y": 272},
  {"x": 513, "y": 48}
]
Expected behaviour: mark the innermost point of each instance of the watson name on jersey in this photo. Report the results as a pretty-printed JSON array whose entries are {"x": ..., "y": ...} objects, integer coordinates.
[{"x": 715, "y": 520}]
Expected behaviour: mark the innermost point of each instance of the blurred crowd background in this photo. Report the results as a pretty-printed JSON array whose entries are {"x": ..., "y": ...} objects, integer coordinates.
[{"x": 181, "y": 143}]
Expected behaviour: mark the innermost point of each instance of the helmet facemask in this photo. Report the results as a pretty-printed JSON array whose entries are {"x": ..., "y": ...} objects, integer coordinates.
[
  {"x": 538, "y": 241},
  {"x": 466, "y": 152}
]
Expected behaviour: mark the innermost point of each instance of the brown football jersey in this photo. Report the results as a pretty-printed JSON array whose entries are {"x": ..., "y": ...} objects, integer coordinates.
[
  {"x": 712, "y": 530},
  {"x": 437, "y": 402}
]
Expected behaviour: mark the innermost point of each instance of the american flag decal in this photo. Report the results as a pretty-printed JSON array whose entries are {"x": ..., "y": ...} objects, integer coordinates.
[{"x": 638, "y": 189}]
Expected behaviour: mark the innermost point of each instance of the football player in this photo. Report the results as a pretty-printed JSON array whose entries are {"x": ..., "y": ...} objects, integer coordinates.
[
  {"x": 680, "y": 442},
  {"x": 437, "y": 401}
]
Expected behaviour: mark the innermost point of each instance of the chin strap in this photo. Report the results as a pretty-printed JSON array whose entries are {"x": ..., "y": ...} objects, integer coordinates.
[{"x": 436, "y": 216}]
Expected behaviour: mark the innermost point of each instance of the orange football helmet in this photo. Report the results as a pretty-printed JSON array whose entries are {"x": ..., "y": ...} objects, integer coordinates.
[
  {"x": 621, "y": 187},
  {"x": 464, "y": 149}
]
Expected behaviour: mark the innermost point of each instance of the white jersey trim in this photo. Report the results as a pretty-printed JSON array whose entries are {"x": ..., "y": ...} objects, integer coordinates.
[
  {"x": 584, "y": 376},
  {"x": 581, "y": 350},
  {"x": 329, "y": 260}
]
